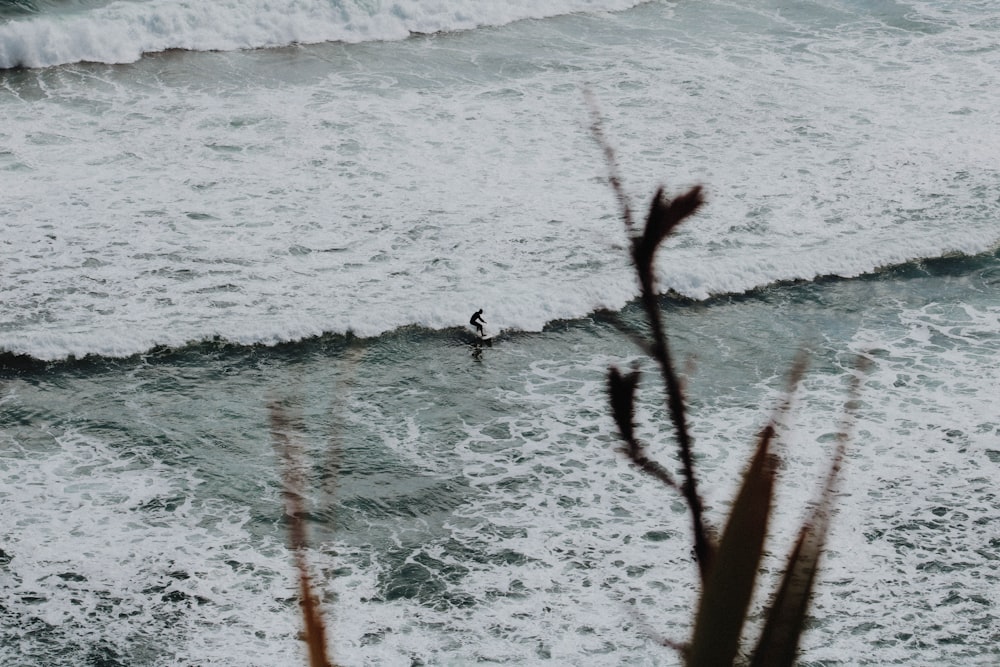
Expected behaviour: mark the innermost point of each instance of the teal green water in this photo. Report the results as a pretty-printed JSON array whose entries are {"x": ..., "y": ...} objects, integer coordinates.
[{"x": 467, "y": 504}]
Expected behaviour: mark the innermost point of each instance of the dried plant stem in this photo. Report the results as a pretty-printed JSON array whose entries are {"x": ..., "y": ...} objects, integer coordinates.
[
  {"x": 778, "y": 643},
  {"x": 703, "y": 547},
  {"x": 730, "y": 567},
  {"x": 283, "y": 433},
  {"x": 614, "y": 178},
  {"x": 664, "y": 216}
]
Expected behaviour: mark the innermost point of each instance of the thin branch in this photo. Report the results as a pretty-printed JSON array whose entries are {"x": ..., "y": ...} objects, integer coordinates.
[
  {"x": 614, "y": 178},
  {"x": 638, "y": 339},
  {"x": 283, "y": 432},
  {"x": 664, "y": 217}
]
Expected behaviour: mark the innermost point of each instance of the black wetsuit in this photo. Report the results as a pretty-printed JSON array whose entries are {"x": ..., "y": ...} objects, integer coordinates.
[{"x": 477, "y": 321}]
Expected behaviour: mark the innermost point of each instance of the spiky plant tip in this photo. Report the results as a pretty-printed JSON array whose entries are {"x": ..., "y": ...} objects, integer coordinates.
[{"x": 666, "y": 215}]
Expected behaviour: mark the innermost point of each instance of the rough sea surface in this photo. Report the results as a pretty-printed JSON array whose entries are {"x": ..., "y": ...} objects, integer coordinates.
[{"x": 210, "y": 208}]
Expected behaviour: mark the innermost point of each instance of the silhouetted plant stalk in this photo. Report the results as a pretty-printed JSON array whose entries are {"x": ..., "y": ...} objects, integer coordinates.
[
  {"x": 778, "y": 641},
  {"x": 664, "y": 217},
  {"x": 284, "y": 433},
  {"x": 728, "y": 569}
]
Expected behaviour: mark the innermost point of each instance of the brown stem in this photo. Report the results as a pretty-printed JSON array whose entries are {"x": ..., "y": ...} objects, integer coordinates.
[
  {"x": 664, "y": 216},
  {"x": 704, "y": 549},
  {"x": 283, "y": 432}
]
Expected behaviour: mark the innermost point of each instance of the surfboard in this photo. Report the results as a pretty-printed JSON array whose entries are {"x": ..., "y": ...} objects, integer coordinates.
[{"x": 480, "y": 341}]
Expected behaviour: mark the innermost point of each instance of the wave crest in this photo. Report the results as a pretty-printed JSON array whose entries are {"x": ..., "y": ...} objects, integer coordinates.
[
  {"x": 27, "y": 354},
  {"x": 122, "y": 32}
]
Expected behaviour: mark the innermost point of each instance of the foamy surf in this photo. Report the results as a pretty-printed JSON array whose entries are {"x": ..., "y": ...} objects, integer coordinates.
[
  {"x": 200, "y": 230},
  {"x": 338, "y": 188},
  {"x": 124, "y": 31}
]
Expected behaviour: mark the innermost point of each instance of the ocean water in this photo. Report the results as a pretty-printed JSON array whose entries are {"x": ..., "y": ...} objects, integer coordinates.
[{"x": 212, "y": 208}]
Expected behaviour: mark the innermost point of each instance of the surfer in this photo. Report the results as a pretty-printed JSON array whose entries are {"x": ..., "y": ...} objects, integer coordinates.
[{"x": 477, "y": 321}]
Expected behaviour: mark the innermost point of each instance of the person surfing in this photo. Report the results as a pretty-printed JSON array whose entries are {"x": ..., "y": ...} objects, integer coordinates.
[{"x": 477, "y": 321}]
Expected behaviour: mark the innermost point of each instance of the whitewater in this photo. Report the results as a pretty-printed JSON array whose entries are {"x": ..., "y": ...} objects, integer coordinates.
[
  {"x": 209, "y": 208},
  {"x": 270, "y": 195}
]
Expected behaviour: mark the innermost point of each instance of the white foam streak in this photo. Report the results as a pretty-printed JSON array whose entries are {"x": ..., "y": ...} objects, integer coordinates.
[
  {"x": 122, "y": 32},
  {"x": 915, "y": 521},
  {"x": 96, "y": 560}
]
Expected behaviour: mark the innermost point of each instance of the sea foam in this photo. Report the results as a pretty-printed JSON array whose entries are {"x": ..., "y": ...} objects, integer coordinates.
[
  {"x": 269, "y": 196},
  {"x": 121, "y": 32}
]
